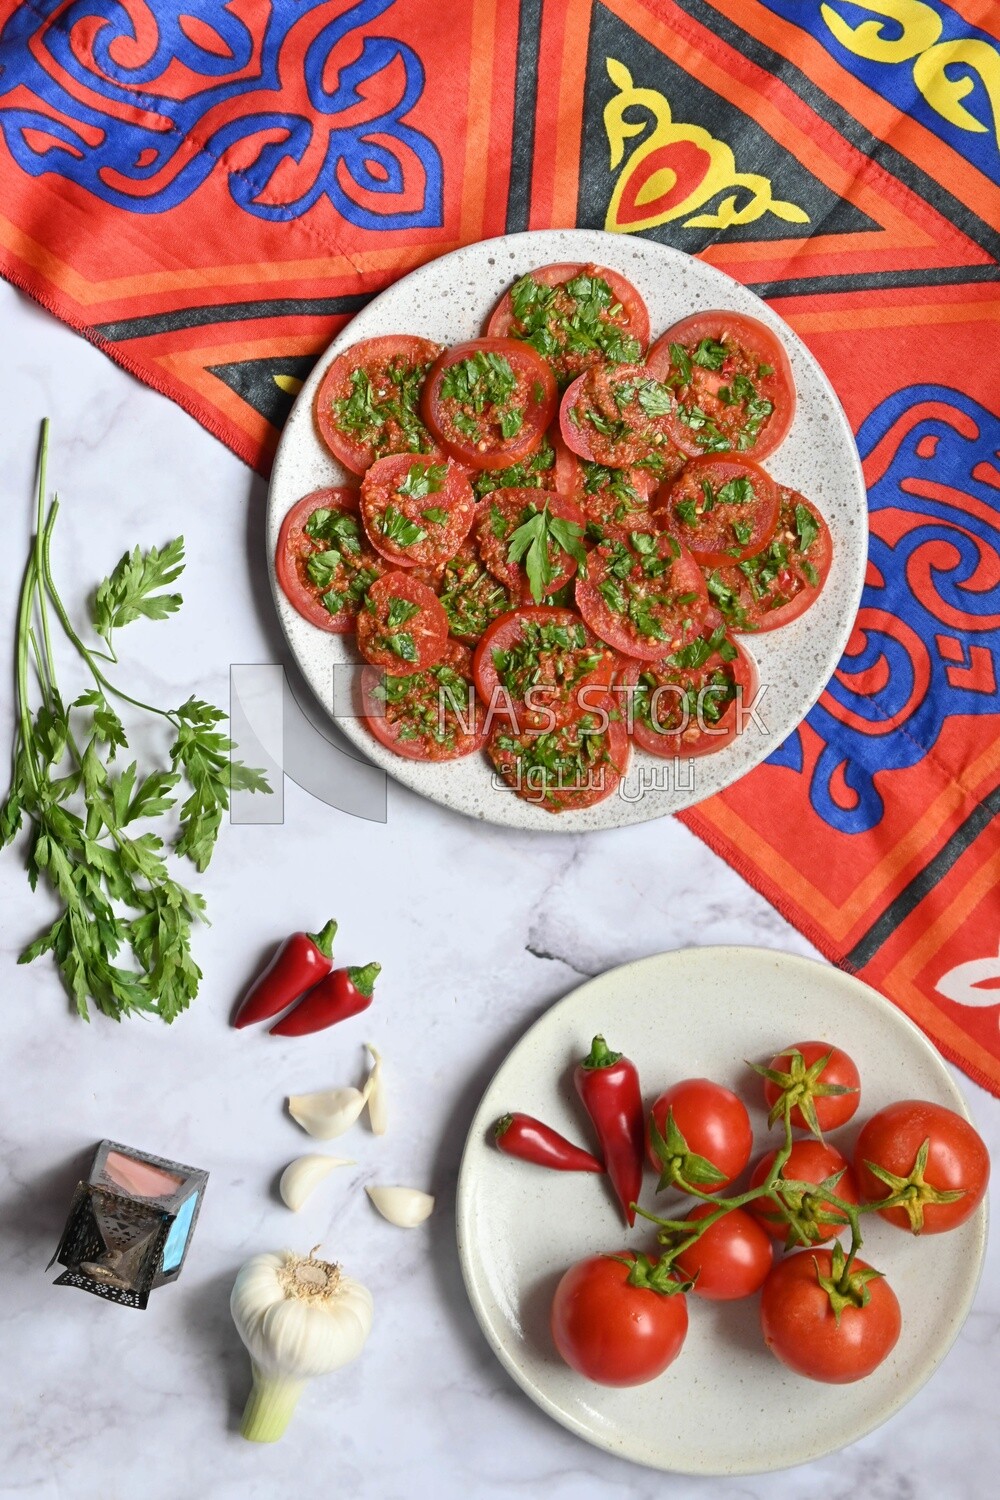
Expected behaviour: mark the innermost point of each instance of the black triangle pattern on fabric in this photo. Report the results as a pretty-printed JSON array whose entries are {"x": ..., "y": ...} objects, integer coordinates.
[
  {"x": 262, "y": 382},
  {"x": 691, "y": 109}
]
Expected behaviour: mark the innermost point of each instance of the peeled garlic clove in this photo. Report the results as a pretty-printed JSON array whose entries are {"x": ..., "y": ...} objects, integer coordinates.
[
  {"x": 404, "y": 1206},
  {"x": 304, "y": 1174},
  {"x": 327, "y": 1114},
  {"x": 378, "y": 1117}
]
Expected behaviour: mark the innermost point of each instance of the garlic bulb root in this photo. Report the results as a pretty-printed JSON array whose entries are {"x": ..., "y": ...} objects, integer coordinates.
[{"x": 299, "y": 1317}]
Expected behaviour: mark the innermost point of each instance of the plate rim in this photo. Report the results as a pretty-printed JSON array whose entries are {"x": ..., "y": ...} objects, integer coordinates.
[
  {"x": 707, "y": 954},
  {"x": 405, "y": 772}
]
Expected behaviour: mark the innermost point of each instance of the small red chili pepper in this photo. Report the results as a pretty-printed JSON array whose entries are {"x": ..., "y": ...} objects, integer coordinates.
[
  {"x": 532, "y": 1140},
  {"x": 299, "y": 962},
  {"x": 345, "y": 992},
  {"x": 608, "y": 1085}
]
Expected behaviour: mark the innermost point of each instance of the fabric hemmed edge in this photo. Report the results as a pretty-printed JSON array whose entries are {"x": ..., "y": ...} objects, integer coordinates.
[
  {"x": 821, "y": 939},
  {"x": 144, "y": 371}
]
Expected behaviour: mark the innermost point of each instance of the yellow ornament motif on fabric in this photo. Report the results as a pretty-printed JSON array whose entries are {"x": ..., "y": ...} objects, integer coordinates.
[
  {"x": 919, "y": 42},
  {"x": 677, "y": 169}
]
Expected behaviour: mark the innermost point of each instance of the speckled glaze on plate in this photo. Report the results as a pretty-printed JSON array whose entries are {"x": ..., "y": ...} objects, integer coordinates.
[
  {"x": 726, "y": 1405},
  {"x": 448, "y": 300}
]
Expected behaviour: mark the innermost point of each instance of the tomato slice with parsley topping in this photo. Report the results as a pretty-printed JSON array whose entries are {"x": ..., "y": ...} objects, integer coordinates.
[
  {"x": 574, "y": 316},
  {"x": 779, "y": 583},
  {"x": 644, "y": 594},
  {"x": 402, "y": 621},
  {"x": 732, "y": 380},
  {"x": 538, "y": 660},
  {"x": 536, "y": 472},
  {"x": 368, "y": 404},
  {"x": 621, "y": 416},
  {"x": 416, "y": 512},
  {"x": 532, "y": 540},
  {"x": 572, "y": 766},
  {"x": 608, "y": 497},
  {"x": 471, "y": 596},
  {"x": 489, "y": 402},
  {"x": 428, "y": 715},
  {"x": 724, "y": 509},
  {"x": 685, "y": 704},
  {"x": 323, "y": 560}
]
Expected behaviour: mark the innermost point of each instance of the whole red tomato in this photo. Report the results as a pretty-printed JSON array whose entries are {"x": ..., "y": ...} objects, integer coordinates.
[
  {"x": 612, "y": 1331},
  {"x": 807, "y": 1071},
  {"x": 712, "y": 1126},
  {"x": 817, "y": 1217},
  {"x": 836, "y": 1339},
  {"x": 956, "y": 1162},
  {"x": 731, "y": 1259}
]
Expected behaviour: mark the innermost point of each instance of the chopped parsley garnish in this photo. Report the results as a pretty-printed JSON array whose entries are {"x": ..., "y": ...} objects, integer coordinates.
[
  {"x": 437, "y": 515},
  {"x": 530, "y": 473},
  {"x": 710, "y": 354},
  {"x": 806, "y": 526},
  {"x": 480, "y": 380},
  {"x": 568, "y": 659},
  {"x": 743, "y": 531},
  {"x": 390, "y": 422},
  {"x": 399, "y": 529},
  {"x": 423, "y": 479},
  {"x": 401, "y": 610},
  {"x": 334, "y": 526},
  {"x": 578, "y": 318}
]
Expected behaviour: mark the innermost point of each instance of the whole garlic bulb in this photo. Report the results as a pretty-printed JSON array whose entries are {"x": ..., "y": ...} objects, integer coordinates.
[{"x": 298, "y": 1317}]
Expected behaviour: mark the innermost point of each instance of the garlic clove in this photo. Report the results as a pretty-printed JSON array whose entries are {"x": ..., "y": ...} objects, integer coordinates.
[
  {"x": 378, "y": 1117},
  {"x": 303, "y": 1175},
  {"x": 404, "y": 1206},
  {"x": 328, "y": 1113}
]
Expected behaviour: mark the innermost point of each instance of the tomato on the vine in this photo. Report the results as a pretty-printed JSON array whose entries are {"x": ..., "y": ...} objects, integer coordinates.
[
  {"x": 832, "y": 1332},
  {"x": 730, "y": 1260},
  {"x": 816, "y": 1218},
  {"x": 715, "y": 1130},
  {"x": 820, "y": 1081},
  {"x": 943, "y": 1184},
  {"x": 612, "y": 1330}
]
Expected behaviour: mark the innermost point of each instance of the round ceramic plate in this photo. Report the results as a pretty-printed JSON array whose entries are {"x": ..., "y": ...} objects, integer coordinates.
[
  {"x": 725, "y": 1406},
  {"x": 449, "y": 300}
]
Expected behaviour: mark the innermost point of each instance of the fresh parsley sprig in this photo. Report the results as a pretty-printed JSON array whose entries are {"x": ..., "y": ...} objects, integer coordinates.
[
  {"x": 536, "y": 542},
  {"x": 116, "y": 893}
]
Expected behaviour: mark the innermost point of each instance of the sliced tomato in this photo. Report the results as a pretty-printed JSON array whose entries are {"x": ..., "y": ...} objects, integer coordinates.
[
  {"x": 489, "y": 401},
  {"x": 644, "y": 594},
  {"x": 723, "y": 508},
  {"x": 569, "y": 767},
  {"x": 621, "y": 416},
  {"x": 322, "y": 559},
  {"x": 471, "y": 596},
  {"x": 778, "y": 584},
  {"x": 428, "y": 715},
  {"x": 732, "y": 380},
  {"x": 686, "y": 704},
  {"x": 403, "y": 622},
  {"x": 537, "y": 661},
  {"x": 608, "y": 497},
  {"x": 574, "y": 316},
  {"x": 509, "y": 518},
  {"x": 417, "y": 512},
  {"x": 368, "y": 404}
]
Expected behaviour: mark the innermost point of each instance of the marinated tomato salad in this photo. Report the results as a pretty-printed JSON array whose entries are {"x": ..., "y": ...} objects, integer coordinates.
[{"x": 559, "y": 533}]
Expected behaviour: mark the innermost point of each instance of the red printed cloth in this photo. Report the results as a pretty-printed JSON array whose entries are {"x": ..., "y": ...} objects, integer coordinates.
[{"x": 208, "y": 191}]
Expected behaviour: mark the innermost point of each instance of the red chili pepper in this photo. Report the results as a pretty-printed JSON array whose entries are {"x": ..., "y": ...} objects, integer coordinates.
[
  {"x": 345, "y": 992},
  {"x": 299, "y": 962},
  {"x": 531, "y": 1140},
  {"x": 608, "y": 1084}
]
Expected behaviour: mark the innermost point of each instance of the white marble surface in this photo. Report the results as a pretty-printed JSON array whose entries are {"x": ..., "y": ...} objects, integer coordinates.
[{"x": 478, "y": 931}]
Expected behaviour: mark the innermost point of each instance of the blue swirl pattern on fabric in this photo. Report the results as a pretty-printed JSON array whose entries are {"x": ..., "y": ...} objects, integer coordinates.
[
  {"x": 116, "y": 130},
  {"x": 929, "y": 622}
]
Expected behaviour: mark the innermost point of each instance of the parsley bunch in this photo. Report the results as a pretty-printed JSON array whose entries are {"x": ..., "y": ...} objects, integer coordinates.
[{"x": 116, "y": 893}]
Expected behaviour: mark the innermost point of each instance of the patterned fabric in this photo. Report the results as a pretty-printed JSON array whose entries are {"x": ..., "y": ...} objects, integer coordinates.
[{"x": 209, "y": 191}]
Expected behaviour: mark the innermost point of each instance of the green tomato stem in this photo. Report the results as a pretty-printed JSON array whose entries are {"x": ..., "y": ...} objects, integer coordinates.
[{"x": 269, "y": 1407}]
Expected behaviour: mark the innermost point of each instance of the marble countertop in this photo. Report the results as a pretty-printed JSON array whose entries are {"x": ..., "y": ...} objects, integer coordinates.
[{"x": 478, "y": 930}]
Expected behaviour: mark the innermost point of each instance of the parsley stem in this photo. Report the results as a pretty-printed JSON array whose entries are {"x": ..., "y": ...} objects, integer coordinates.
[
  {"x": 43, "y": 461},
  {"x": 67, "y": 625},
  {"x": 25, "y": 603}
]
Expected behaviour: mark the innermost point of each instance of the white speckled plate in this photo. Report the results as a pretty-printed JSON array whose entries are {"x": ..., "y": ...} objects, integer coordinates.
[
  {"x": 448, "y": 300},
  {"x": 726, "y": 1405}
]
